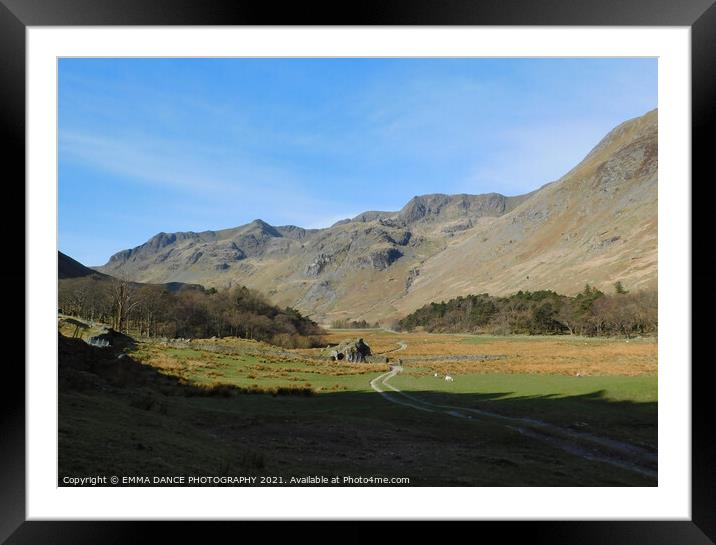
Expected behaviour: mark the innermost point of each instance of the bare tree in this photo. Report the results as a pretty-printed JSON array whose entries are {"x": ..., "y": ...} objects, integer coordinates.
[{"x": 125, "y": 298}]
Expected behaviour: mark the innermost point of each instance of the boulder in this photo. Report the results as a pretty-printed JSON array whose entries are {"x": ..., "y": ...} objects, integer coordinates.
[
  {"x": 110, "y": 337},
  {"x": 353, "y": 351}
]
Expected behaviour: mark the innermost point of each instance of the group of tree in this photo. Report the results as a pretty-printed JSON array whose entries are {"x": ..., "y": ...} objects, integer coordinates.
[
  {"x": 353, "y": 324},
  {"x": 589, "y": 313},
  {"x": 190, "y": 312}
]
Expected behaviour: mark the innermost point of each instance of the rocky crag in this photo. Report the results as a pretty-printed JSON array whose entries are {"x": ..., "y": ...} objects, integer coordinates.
[{"x": 597, "y": 224}]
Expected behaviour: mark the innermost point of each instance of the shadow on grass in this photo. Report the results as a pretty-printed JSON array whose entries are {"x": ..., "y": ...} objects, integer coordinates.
[
  {"x": 121, "y": 415},
  {"x": 82, "y": 367},
  {"x": 590, "y": 411}
]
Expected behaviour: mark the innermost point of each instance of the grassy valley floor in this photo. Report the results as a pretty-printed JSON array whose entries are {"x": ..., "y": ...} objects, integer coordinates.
[{"x": 529, "y": 406}]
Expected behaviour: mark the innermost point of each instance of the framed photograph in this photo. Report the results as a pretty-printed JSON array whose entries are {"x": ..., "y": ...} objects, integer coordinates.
[{"x": 411, "y": 266}]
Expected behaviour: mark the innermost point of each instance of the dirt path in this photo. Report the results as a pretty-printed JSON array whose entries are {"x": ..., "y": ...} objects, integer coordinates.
[
  {"x": 584, "y": 445},
  {"x": 401, "y": 346}
]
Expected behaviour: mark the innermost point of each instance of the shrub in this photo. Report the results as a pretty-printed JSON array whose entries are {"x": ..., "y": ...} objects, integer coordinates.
[{"x": 544, "y": 312}]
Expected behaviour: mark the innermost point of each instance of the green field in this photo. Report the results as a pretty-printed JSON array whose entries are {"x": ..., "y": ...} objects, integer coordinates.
[
  {"x": 166, "y": 411},
  {"x": 621, "y": 407}
]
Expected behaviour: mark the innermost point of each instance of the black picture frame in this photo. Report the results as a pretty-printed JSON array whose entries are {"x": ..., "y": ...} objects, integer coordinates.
[{"x": 17, "y": 15}]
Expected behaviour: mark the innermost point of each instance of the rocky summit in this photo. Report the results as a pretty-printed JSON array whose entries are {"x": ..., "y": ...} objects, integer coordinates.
[{"x": 597, "y": 224}]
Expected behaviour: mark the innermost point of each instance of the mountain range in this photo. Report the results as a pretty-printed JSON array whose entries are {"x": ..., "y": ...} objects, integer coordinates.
[{"x": 597, "y": 224}]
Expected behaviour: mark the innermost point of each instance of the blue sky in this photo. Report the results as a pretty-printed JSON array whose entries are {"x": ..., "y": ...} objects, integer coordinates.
[{"x": 150, "y": 145}]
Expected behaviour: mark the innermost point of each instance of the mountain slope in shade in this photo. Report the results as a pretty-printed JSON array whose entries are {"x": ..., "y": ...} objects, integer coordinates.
[
  {"x": 596, "y": 224},
  {"x": 70, "y": 268}
]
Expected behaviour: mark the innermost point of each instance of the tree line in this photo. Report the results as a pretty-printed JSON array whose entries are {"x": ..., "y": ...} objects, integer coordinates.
[
  {"x": 590, "y": 313},
  {"x": 345, "y": 323},
  {"x": 190, "y": 312}
]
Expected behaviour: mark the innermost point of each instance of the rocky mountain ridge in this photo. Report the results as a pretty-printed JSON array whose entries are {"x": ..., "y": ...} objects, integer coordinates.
[{"x": 596, "y": 224}]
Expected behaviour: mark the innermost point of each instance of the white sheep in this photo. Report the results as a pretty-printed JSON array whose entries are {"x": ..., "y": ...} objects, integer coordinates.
[
  {"x": 435, "y": 375},
  {"x": 448, "y": 378}
]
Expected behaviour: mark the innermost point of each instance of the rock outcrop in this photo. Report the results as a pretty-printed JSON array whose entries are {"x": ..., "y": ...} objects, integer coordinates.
[
  {"x": 111, "y": 338},
  {"x": 353, "y": 351}
]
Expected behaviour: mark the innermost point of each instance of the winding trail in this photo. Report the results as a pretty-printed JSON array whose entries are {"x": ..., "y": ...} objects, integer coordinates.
[
  {"x": 585, "y": 445},
  {"x": 401, "y": 346}
]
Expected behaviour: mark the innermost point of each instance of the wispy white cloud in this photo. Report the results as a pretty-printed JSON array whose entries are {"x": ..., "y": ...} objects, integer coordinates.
[
  {"x": 204, "y": 186},
  {"x": 140, "y": 159},
  {"x": 531, "y": 156}
]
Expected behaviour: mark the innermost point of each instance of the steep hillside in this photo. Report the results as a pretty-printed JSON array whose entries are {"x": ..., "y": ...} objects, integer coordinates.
[
  {"x": 71, "y": 271},
  {"x": 597, "y": 224},
  {"x": 70, "y": 268}
]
